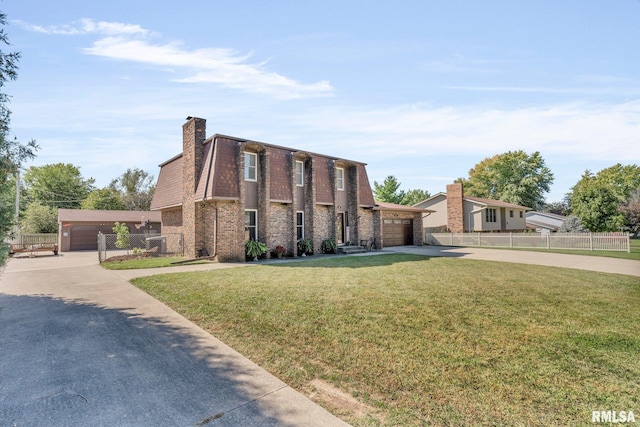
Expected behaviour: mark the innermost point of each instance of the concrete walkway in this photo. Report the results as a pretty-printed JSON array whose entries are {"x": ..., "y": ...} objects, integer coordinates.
[
  {"x": 581, "y": 262},
  {"x": 79, "y": 345}
]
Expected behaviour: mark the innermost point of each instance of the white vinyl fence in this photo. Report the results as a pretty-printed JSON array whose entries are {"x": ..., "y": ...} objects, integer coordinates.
[
  {"x": 577, "y": 241},
  {"x": 165, "y": 244}
]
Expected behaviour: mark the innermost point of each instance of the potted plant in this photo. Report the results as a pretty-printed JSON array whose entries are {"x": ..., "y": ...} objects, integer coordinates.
[
  {"x": 329, "y": 246},
  {"x": 280, "y": 251},
  {"x": 255, "y": 249},
  {"x": 304, "y": 247}
]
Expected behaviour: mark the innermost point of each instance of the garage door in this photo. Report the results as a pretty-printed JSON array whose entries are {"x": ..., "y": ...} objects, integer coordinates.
[
  {"x": 85, "y": 237},
  {"x": 397, "y": 232}
]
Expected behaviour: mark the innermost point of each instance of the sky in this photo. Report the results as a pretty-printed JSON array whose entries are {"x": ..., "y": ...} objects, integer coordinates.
[{"x": 421, "y": 90}]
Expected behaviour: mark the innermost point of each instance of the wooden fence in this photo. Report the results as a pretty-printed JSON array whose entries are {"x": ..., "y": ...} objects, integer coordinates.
[
  {"x": 570, "y": 241},
  {"x": 34, "y": 239}
]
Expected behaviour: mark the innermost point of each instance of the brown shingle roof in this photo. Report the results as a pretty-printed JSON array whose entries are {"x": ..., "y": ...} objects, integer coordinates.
[
  {"x": 385, "y": 206},
  {"x": 169, "y": 187},
  {"x": 280, "y": 188},
  {"x": 497, "y": 203},
  {"x": 91, "y": 215}
]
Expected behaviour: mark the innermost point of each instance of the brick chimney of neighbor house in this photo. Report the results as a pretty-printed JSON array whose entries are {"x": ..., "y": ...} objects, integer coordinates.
[
  {"x": 455, "y": 208},
  {"x": 193, "y": 135}
]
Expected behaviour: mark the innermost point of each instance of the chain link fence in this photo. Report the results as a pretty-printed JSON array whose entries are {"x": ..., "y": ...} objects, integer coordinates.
[{"x": 166, "y": 244}]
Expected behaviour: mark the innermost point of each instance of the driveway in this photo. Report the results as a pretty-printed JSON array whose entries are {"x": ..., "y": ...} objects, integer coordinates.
[
  {"x": 79, "y": 345},
  {"x": 549, "y": 259}
]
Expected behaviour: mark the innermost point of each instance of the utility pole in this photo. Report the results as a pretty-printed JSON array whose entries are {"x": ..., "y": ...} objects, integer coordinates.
[{"x": 15, "y": 223}]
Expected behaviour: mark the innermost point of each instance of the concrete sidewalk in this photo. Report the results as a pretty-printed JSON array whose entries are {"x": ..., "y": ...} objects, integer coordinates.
[
  {"x": 82, "y": 346},
  {"x": 581, "y": 262}
]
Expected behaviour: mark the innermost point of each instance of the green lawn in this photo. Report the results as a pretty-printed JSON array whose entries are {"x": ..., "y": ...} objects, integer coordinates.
[
  {"x": 429, "y": 341},
  {"x": 146, "y": 263}
]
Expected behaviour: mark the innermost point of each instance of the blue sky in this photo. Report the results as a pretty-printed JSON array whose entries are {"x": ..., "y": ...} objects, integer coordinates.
[{"x": 421, "y": 90}]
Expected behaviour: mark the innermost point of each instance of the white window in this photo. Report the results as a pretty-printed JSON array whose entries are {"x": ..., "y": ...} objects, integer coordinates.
[
  {"x": 299, "y": 225},
  {"x": 250, "y": 166},
  {"x": 251, "y": 224},
  {"x": 299, "y": 173},
  {"x": 340, "y": 179}
]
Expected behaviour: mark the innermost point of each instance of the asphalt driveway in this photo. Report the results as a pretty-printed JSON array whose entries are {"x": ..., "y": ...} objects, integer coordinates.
[{"x": 79, "y": 345}]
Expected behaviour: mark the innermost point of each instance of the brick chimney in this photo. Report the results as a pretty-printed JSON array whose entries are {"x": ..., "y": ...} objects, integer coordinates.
[
  {"x": 193, "y": 135},
  {"x": 455, "y": 208}
]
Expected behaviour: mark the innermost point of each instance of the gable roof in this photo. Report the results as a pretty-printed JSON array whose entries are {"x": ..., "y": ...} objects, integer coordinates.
[
  {"x": 385, "y": 206},
  {"x": 496, "y": 203}
]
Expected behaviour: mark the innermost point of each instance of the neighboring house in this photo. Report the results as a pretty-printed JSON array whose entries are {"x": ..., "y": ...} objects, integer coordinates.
[
  {"x": 78, "y": 228},
  {"x": 455, "y": 212},
  {"x": 544, "y": 222},
  {"x": 222, "y": 191}
]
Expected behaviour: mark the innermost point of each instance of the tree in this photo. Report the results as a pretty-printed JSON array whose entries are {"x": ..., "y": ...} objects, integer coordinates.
[
  {"x": 514, "y": 177},
  {"x": 58, "y": 185},
  {"x": 596, "y": 204},
  {"x": 413, "y": 197},
  {"x": 596, "y": 199},
  {"x": 104, "y": 198},
  {"x": 39, "y": 218},
  {"x": 136, "y": 188},
  {"x": 12, "y": 153},
  {"x": 571, "y": 224},
  {"x": 389, "y": 191},
  {"x": 631, "y": 211},
  {"x": 558, "y": 208},
  {"x": 123, "y": 238}
]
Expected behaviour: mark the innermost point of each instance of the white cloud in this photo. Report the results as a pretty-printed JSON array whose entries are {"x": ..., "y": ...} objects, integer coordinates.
[
  {"x": 221, "y": 66},
  {"x": 599, "y": 132},
  {"x": 85, "y": 26}
]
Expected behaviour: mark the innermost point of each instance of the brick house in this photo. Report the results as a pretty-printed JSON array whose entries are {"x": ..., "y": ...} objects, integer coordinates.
[
  {"x": 453, "y": 211},
  {"x": 222, "y": 191}
]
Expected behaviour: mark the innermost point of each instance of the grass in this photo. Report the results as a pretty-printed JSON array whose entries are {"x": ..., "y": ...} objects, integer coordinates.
[
  {"x": 429, "y": 341},
  {"x": 145, "y": 263},
  {"x": 634, "y": 254}
]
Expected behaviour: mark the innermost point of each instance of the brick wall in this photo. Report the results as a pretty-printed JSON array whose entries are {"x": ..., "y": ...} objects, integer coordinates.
[
  {"x": 324, "y": 225},
  {"x": 172, "y": 224},
  {"x": 455, "y": 208},
  {"x": 281, "y": 227},
  {"x": 193, "y": 135}
]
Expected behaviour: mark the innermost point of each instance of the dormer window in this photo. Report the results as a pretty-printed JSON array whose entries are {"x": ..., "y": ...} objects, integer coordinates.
[
  {"x": 299, "y": 173},
  {"x": 250, "y": 166}
]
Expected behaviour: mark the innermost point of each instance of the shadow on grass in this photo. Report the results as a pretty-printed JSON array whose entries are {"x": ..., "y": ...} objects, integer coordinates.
[{"x": 71, "y": 362}]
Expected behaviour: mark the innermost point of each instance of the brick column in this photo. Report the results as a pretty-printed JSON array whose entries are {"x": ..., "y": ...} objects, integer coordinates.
[
  {"x": 193, "y": 135},
  {"x": 455, "y": 208}
]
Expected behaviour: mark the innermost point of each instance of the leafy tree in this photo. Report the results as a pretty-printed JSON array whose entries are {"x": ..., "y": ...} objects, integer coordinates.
[
  {"x": 631, "y": 211},
  {"x": 558, "y": 208},
  {"x": 123, "y": 238},
  {"x": 596, "y": 204},
  {"x": 571, "y": 224},
  {"x": 39, "y": 218},
  {"x": 413, "y": 197},
  {"x": 12, "y": 153},
  {"x": 104, "y": 198},
  {"x": 389, "y": 191},
  {"x": 136, "y": 188},
  {"x": 58, "y": 185},
  {"x": 514, "y": 177},
  {"x": 596, "y": 199}
]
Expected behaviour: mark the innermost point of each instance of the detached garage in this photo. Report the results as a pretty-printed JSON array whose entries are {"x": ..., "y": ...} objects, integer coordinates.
[
  {"x": 401, "y": 225},
  {"x": 79, "y": 228}
]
